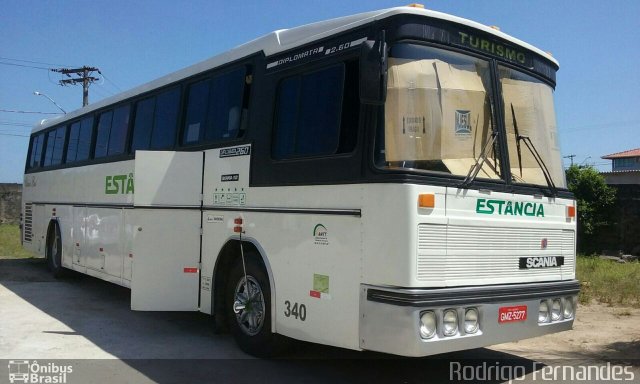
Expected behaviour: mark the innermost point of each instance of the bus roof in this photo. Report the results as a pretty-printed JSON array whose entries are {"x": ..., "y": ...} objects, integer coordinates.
[{"x": 283, "y": 40}]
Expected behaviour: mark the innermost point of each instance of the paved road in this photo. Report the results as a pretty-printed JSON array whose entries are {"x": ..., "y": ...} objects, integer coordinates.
[{"x": 88, "y": 322}]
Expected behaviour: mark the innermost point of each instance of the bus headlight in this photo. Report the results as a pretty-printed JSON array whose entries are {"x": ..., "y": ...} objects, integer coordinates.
[
  {"x": 428, "y": 324},
  {"x": 471, "y": 320},
  {"x": 567, "y": 310},
  {"x": 543, "y": 312},
  {"x": 556, "y": 310},
  {"x": 450, "y": 322}
]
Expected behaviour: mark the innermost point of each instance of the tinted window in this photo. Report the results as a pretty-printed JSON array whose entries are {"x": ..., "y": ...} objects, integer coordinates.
[
  {"x": 36, "y": 151},
  {"x": 196, "y": 111},
  {"x": 156, "y": 121},
  {"x": 79, "y": 140},
  {"x": 84, "y": 140},
  {"x": 143, "y": 124},
  {"x": 309, "y": 113},
  {"x": 55, "y": 146},
  {"x": 215, "y": 108},
  {"x": 72, "y": 147},
  {"x": 119, "y": 125},
  {"x": 112, "y": 132},
  {"x": 225, "y": 106},
  {"x": 166, "y": 120},
  {"x": 104, "y": 127}
]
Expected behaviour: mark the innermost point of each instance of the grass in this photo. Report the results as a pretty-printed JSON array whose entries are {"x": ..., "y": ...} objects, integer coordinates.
[
  {"x": 10, "y": 247},
  {"x": 608, "y": 282}
]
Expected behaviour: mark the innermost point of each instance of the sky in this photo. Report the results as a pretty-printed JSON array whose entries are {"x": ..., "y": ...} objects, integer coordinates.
[{"x": 132, "y": 42}]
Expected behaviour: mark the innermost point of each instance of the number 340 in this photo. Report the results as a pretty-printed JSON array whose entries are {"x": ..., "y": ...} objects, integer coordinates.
[{"x": 299, "y": 311}]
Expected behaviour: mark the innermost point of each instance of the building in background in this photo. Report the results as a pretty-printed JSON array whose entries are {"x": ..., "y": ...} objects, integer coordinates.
[
  {"x": 10, "y": 197},
  {"x": 625, "y": 177},
  {"x": 625, "y": 167}
]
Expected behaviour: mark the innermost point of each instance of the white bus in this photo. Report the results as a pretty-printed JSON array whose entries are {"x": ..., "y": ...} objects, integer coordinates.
[{"x": 388, "y": 181}]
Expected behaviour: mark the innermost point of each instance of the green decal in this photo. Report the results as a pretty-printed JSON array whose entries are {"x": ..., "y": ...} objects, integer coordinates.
[
  {"x": 119, "y": 184},
  {"x": 509, "y": 208},
  {"x": 321, "y": 283},
  {"x": 492, "y": 47}
]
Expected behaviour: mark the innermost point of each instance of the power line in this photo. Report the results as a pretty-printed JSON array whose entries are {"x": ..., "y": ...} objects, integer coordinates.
[
  {"x": 34, "y": 62},
  {"x": 33, "y": 112},
  {"x": 11, "y": 134},
  {"x": 109, "y": 80},
  {"x": 15, "y": 124},
  {"x": 25, "y": 66}
]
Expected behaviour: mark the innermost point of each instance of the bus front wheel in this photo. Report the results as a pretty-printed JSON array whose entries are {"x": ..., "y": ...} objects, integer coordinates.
[{"x": 248, "y": 303}]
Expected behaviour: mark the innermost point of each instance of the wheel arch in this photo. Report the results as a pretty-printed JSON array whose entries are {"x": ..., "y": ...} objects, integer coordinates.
[{"x": 229, "y": 251}]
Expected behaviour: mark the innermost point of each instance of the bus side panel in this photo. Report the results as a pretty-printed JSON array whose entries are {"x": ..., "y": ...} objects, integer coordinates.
[
  {"x": 316, "y": 263},
  {"x": 166, "y": 252},
  {"x": 103, "y": 246}
]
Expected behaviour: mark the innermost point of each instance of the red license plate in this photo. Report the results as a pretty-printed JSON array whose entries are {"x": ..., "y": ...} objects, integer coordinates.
[{"x": 512, "y": 314}]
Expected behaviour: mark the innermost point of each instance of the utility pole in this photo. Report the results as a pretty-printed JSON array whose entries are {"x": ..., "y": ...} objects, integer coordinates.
[
  {"x": 570, "y": 157},
  {"x": 84, "y": 77}
]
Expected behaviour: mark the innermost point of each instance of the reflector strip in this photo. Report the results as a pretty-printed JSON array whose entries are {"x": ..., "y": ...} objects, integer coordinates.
[{"x": 190, "y": 270}]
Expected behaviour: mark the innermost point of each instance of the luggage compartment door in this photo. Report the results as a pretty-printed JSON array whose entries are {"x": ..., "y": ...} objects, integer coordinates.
[{"x": 165, "y": 226}]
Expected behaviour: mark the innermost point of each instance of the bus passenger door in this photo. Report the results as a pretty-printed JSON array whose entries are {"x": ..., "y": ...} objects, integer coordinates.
[{"x": 165, "y": 229}]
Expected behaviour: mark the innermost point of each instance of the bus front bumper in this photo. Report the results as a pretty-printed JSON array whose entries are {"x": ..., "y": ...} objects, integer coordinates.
[{"x": 390, "y": 317}]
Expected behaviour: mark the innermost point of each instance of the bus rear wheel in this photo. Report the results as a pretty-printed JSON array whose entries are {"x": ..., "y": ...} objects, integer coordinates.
[
  {"x": 54, "y": 251},
  {"x": 248, "y": 307}
]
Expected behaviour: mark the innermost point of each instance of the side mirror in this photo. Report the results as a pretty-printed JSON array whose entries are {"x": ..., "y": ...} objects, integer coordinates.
[{"x": 373, "y": 71}]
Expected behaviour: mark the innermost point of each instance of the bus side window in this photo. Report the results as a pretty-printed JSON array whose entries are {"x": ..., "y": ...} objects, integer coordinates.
[
  {"x": 36, "y": 151},
  {"x": 143, "y": 123},
  {"x": 165, "y": 120},
  {"x": 225, "y": 106},
  {"x": 156, "y": 121},
  {"x": 196, "y": 111},
  {"x": 112, "y": 132},
  {"x": 217, "y": 107},
  {"x": 84, "y": 139},
  {"x": 55, "y": 146},
  {"x": 316, "y": 114}
]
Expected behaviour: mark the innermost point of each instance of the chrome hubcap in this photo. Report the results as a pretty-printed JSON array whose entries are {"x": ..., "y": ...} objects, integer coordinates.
[{"x": 249, "y": 306}]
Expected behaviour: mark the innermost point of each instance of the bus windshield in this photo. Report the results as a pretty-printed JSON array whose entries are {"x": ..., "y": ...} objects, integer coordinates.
[
  {"x": 438, "y": 113},
  {"x": 530, "y": 116}
]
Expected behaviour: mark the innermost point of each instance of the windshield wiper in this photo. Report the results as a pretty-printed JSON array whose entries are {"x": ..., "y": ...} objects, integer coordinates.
[
  {"x": 532, "y": 148},
  {"x": 477, "y": 166}
]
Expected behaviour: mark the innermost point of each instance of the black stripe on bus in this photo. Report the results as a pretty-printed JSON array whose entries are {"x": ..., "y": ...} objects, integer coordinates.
[{"x": 473, "y": 295}]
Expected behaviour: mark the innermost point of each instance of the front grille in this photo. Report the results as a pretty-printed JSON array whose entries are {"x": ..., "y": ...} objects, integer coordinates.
[{"x": 455, "y": 255}]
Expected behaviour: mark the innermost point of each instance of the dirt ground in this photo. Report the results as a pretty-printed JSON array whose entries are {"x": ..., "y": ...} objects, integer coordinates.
[{"x": 600, "y": 332}]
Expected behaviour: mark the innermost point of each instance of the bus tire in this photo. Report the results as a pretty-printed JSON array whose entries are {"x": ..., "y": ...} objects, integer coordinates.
[
  {"x": 249, "y": 313},
  {"x": 54, "y": 251}
]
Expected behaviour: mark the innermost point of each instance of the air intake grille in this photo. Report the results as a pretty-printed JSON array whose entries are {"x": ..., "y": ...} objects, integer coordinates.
[
  {"x": 28, "y": 223},
  {"x": 457, "y": 255}
]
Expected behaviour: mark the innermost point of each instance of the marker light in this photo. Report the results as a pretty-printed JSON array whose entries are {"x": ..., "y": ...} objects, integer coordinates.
[
  {"x": 471, "y": 320},
  {"x": 450, "y": 322},
  {"x": 495, "y": 27},
  {"x": 427, "y": 200},
  {"x": 416, "y": 5},
  {"x": 571, "y": 211},
  {"x": 543, "y": 312},
  {"x": 556, "y": 310},
  {"x": 427, "y": 324},
  {"x": 567, "y": 309}
]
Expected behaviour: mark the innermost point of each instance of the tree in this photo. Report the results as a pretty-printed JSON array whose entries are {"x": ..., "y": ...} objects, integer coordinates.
[{"x": 595, "y": 200}]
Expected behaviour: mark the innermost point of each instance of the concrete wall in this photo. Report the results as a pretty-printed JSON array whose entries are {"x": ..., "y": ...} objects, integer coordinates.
[{"x": 10, "y": 202}]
